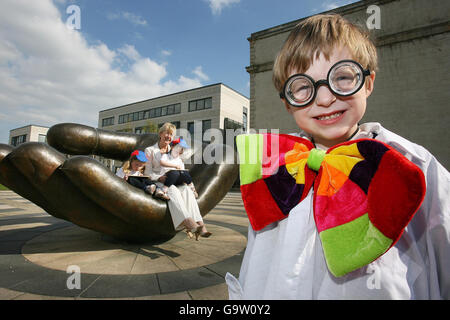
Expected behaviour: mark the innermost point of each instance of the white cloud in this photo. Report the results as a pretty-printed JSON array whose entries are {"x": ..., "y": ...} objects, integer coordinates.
[
  {"x": 130, "y": 52},
  {"x": 166, "y": 53},
  {"x": 50, "y": 74},
  {"x": 129, "y": 16},
  {"x": 217, "y": 5},
  {"x": 198, "y": 71}
]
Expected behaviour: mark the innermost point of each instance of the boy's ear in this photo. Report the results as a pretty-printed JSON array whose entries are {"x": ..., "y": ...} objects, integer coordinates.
[{"x": 370, "y": 82}]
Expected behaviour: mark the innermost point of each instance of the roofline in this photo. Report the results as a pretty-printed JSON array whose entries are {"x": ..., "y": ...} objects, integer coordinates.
[
  {"x": 288, "y": 26},
  {"x": 30, "y": 125},
  {"x": 171, "y": 94}
]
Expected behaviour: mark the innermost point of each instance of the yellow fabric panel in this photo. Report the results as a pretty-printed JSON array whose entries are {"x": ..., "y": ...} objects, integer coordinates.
[
  {"x": 297, "y": 170},
  {"x": 349, "y": 150},
  {"x": 343, "y": 163}
]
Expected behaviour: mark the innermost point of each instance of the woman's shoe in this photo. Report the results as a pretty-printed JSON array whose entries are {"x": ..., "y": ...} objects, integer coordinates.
[
  {"x": 206, "y": 234},
  {"x": 198, "y": 232}
]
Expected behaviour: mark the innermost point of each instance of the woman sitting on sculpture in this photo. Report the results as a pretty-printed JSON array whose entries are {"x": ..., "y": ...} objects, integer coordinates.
[{"x": 182, "y": 203}]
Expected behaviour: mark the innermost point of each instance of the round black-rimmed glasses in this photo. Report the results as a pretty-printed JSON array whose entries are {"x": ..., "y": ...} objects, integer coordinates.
[{"x": 344, "y": 78}]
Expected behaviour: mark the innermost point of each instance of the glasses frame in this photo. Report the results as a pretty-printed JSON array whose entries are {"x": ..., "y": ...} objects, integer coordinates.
[{"x": 318, "y": 83}]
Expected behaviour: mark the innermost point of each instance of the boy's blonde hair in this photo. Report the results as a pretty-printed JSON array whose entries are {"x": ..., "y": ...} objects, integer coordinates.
[
  {"x": 322, "y": 34},
  {"x": 169, "y": 127}
]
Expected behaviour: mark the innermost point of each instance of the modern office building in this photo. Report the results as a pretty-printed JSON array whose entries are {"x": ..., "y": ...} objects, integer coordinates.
[
  {"x": 211, "y": 106},
  {"x": 199, "y": 109},
  {"x": 411, "y": 87},
  {"x": 29, "y": 133}
]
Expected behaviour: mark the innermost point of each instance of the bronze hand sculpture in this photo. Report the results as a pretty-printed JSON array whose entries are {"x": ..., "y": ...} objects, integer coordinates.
[{"x": 82, "y": 190}]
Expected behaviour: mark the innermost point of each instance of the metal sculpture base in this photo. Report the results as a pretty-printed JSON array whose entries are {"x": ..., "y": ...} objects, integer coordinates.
[{"x": 82, "y": 190}]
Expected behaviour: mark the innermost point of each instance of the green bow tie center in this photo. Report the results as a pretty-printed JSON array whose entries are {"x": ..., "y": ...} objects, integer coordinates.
[{"x": 315, "y": 159}]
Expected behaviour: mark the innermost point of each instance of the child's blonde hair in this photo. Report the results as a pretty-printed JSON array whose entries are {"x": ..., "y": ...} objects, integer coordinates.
[
  {"x": 322, "y": 34},
  {"x": 126, "y": 166}
]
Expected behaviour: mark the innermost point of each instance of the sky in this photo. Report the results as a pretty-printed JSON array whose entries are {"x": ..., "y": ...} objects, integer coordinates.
[{"x": 66, "y": 60}]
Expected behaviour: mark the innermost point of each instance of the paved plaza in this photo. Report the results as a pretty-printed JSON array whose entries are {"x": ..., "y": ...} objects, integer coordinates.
[{"x": 40, "y": 254}]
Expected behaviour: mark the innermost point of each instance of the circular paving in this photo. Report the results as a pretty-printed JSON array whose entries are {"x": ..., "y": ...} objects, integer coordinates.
[
  {"x": 95, "y": 253},
  {"x": 38, "y": 253}
]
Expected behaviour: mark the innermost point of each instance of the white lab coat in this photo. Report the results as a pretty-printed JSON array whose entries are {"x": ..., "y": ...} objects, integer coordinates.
[{"x": 285, "y": 260}]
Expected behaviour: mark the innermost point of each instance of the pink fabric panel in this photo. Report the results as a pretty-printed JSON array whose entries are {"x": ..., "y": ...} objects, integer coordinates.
[{"x": 349, "y": 203}]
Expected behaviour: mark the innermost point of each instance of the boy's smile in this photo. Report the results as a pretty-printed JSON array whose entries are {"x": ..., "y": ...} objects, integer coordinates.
[{"x": 331, "y": 119}]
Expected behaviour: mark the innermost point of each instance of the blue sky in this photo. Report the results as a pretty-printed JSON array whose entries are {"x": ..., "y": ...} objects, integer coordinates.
[{"x": 125, "y": 51}]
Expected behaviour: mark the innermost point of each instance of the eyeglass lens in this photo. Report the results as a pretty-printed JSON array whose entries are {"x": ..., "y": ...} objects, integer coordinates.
[{"x": 345, "y": 78}]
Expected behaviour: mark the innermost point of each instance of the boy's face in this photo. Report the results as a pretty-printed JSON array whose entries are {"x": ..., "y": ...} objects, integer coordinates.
[{"x": 331, "y": 119}]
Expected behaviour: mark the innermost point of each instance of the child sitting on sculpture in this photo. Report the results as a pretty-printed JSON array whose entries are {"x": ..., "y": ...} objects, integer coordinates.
[
  {"x": 173, "y": 167},
  {"x": 132, "y": 171}
]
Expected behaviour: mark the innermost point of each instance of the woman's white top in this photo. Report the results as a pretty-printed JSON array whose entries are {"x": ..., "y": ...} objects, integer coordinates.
[
  {"x": 285, "y": 260},
  {"x": 121, "y": 174},
  {"x": 153, "y": 167}
]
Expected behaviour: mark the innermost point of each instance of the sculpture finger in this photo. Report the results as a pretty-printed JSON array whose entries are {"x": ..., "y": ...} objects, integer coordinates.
[{"x": 77, "y": 139}]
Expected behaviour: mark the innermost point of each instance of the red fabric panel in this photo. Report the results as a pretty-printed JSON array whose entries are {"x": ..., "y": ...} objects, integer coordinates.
[
  {"x": 395, "y": 194},
  {"x": 275, "y": 146},
  {"x": 261, "y": 208}
]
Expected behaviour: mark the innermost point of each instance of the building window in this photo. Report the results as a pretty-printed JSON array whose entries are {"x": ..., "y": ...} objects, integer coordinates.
[
  {"x": 200, "y": 104},
  {"x": 138, "y": 130},
  {"x": 42, "y": 138},
  {"x": 244, "y": 118},
  {"x": 206, "y": 124},
  {"x": 231, "y": 124},
  {"x": 147, "y": 114},
  {"x": 108, "y": 122},
  {"x": 15, "y": 141},
  {"x": 190, "y": 128}
]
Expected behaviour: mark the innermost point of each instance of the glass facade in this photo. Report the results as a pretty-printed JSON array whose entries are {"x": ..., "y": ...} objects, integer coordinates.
[{"x": 150, "y": 113}]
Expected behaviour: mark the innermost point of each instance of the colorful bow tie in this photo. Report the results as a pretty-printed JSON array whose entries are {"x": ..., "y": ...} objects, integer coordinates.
[{"x": 365, "y": 192}]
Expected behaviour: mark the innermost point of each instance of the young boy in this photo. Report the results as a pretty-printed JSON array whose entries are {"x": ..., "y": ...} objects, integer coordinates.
[{"x": 324, "y": 73}]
